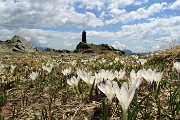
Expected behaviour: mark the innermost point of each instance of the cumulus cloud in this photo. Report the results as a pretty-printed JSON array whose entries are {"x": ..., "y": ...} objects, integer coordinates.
[
  {"x": 93, "y": 4},
  {"x": 68, "y": 43},
  {"x": 124, "y": 16},
  {"x": 176, "y": 5},
  {"x": 45, "y": 13},
  {"x": 118, "y": 45},
  {"x": 120, "y": 3},
  {"x": 140, "y": 2},
  {"x": 63, "y": 13}
]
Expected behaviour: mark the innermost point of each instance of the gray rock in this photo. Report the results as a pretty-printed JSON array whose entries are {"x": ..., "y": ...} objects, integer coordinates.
[{"x": 17, "y": 43}]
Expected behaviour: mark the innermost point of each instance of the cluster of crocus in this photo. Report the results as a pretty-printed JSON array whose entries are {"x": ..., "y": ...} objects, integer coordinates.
[
  {"x": 152, "y": 75},
  {"x": 124, "y": 95},
  {"x": 107, "y": 82}
]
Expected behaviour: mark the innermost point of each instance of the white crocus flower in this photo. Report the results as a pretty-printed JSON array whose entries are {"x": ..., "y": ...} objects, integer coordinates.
[
  {"x": 73, "y": 81},
  {"x": 149, "y": 75},
  {"x": 73, "y": 63},
  {"x": 106, "y": 74},
  {"x": 122, "y": 61},
  {"x": 12, "y": 68},
  {"x": 136, "y": 57},
  {"x": 136, "y": 78},
  {"x": 119, "y": 74},
  {"x": 152, "y": 75},
  {"x": 67, "y": 71},
  {"x": 142, "y": 61},
  {"x": 116, "y": 59},
  {"x": 107, "y": 89},
  {"x": 158, "y": 77},
  {"x": 34, "y": 75},
  {"x": 2, "y": 66},
  {"x": 111, "y": 63},
  {"x": 103, "y": 60},
  {"x": 48, "y": 67},
  {"x": 124, "y": 96},
  {"x": 177, "y": 66},
  {"x": 85, "y": 76},
  {"x": 95, "y": 79}
]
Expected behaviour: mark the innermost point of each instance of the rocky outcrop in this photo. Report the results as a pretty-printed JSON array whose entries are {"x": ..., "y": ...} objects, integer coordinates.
[
  {"x": 92, "y": 48},
  {"x": 108, "y": 47},
  {"x": 82, "y": 46},
  {"x": 17, "y": 43}
]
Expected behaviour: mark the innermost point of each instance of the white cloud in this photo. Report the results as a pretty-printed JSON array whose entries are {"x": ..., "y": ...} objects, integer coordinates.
[
  {"x": 155, "y": 48},
  {"x": 68, "y": 43},
  {"x": 118, "y": 45},
  {"x": 45, "y": 13},
  {"x": 116, "y": 12},
  {"x": 140, "y": 2},
  {"x": 93, "y": 4},
  {"x": 120, "y": 3},
  {"x": 124, "y": 16},
  {"x": 176, "y": 5}
]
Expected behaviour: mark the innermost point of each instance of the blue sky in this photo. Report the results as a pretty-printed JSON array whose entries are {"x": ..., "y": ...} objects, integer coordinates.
[{"x": 138, "y": 25}]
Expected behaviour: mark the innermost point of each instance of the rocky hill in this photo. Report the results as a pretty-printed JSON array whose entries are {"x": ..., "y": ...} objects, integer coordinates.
[
  {"x": 15, "y": 44},
  {"x": 92, "y": 48}
]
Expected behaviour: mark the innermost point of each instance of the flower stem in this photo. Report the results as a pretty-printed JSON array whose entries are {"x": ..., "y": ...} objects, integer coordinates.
[{"x": 124, "y": 114}]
